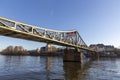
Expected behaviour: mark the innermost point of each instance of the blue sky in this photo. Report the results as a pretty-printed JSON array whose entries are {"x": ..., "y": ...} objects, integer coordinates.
[{"x": 97, "y": 21}]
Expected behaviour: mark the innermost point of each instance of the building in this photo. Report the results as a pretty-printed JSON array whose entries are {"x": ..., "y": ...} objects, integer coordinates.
[
  {"x": 109, "y": 48},
  {"x": 102, "y": 47},
  {"x": 104, "y": 50},
  {"x": 48, "y": 49}
]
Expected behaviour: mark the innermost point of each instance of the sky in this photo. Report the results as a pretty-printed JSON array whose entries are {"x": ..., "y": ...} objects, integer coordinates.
[{"x": 97, "y": 21}]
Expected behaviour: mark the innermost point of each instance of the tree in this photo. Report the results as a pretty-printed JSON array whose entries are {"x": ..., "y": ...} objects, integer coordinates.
[{"x": 17, "y": 50}]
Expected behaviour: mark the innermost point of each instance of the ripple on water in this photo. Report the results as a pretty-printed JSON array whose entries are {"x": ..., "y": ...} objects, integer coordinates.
[{"x": 53, "y": 68}]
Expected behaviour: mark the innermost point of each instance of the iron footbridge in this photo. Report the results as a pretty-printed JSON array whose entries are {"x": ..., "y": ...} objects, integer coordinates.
[{"x": 20, "y": 30}]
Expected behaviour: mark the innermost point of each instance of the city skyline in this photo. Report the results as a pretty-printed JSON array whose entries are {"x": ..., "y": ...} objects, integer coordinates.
[{"x": 96, "y": 21}]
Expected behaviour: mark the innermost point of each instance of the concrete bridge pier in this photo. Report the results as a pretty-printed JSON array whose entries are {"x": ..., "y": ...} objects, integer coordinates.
[{"x": 72, "y": 55}]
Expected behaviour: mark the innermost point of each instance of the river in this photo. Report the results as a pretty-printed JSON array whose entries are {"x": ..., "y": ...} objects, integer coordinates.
[{"x": 53, "y": 68}]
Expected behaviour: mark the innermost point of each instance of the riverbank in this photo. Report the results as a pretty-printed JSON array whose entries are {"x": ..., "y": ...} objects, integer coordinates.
[
  {"x": 35, "y": 54},
  {"x": 19, "y": 50}
]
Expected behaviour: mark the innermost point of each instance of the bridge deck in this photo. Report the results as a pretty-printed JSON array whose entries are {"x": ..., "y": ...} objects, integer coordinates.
[{"x": 11, "y": 32}]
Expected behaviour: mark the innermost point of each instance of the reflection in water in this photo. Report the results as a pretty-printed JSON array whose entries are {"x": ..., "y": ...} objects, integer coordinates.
[
  {"x": 73, "y": 70},
  {"x": 48, "y": 67},
  {"x": 53, "y": 68}
]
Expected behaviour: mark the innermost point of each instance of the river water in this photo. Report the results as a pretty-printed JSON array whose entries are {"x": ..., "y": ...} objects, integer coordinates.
[{"x": 53, "y": 68}]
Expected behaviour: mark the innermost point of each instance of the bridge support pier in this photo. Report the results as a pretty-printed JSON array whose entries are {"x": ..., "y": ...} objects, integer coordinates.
[{"x": 72, "y": 55}]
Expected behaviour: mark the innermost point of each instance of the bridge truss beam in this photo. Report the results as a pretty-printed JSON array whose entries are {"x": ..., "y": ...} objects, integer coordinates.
[{"x": 24, "y": 31}]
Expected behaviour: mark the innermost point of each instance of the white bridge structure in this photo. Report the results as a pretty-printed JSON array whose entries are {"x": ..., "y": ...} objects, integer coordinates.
[
  {"x": 20, "y": 30},
  {"x": 63, "y": 38}
]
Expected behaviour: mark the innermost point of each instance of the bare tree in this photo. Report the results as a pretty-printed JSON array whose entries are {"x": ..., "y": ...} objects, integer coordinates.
[{"x": 17, "y": 50}]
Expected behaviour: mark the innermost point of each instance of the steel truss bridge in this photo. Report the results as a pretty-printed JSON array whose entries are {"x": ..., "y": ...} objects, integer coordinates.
[{"x": 24, "y": 31}]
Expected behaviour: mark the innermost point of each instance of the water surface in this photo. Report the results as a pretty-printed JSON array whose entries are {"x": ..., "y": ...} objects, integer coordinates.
[{"x": 53, "y": 68}]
